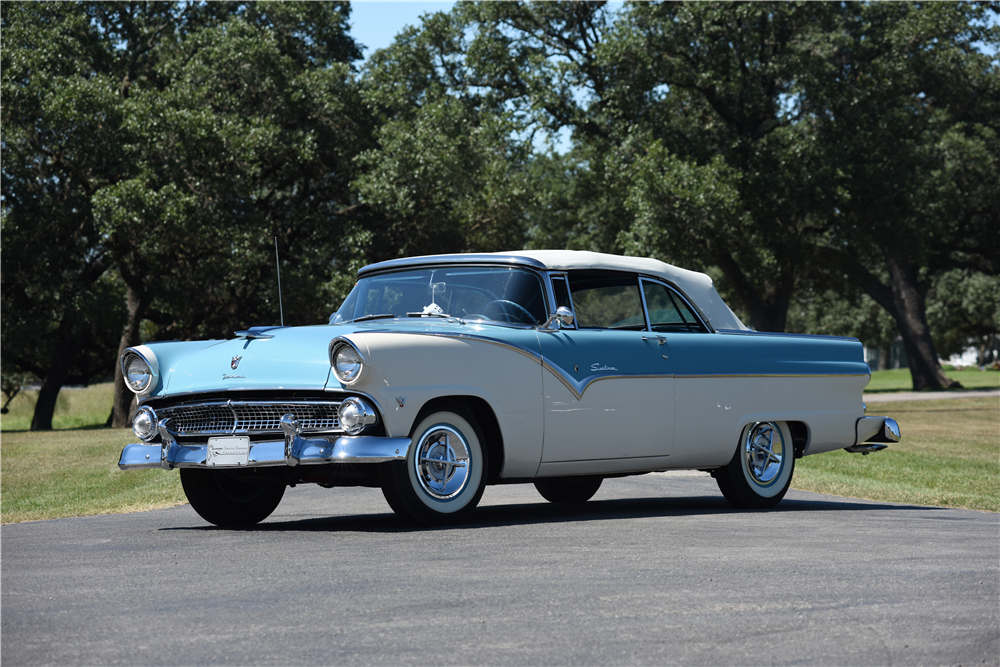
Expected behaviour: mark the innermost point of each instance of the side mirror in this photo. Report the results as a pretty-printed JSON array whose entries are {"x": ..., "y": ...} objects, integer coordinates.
[{"x": 563, "y": 315}]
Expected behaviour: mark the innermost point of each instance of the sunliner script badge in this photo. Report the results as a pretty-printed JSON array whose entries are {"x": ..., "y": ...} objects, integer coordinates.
[{"x": 600, "y": 367}]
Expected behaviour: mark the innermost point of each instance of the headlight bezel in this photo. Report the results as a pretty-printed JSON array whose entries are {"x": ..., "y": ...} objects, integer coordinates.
[
  {"x": 344, "y": 346},
  {"x": 151, "y": 417},
  {"x": 148, "y": 359},
  {"x": 365, "y": 415}
]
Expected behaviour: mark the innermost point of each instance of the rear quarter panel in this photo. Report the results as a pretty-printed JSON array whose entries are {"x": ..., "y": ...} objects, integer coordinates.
[{"x": 726, "y": 381}]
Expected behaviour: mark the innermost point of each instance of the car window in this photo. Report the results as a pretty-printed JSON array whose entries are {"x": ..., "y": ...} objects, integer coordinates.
[
  {"x": 606, "y": 301},
  {"x": 667, "y": 310},
  {"x": 500, "y": 294}
]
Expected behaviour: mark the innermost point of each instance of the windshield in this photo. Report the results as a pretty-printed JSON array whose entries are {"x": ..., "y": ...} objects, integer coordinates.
[{"x": 494, "y": 293}]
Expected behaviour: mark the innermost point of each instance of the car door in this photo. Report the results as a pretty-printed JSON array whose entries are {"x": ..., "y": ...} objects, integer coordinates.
[{"x": 608, "y": 383}]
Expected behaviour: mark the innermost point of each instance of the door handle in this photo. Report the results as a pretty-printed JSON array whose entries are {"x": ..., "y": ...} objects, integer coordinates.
[{"x": 660, "y": 339}]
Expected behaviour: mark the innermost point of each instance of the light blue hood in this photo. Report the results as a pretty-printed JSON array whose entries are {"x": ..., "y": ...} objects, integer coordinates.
[{"x": 291, "y": 358}]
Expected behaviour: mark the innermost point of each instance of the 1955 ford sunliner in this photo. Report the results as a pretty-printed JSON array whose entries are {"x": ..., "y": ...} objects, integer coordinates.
[{"x": 439, "y": 375}]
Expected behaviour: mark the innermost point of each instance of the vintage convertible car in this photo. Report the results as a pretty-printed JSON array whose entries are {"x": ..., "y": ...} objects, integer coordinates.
[{"x": 439, "y": 375}]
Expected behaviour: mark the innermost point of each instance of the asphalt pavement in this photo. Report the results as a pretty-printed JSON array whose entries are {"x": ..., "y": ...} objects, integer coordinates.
[{"x": 656, "y": 570}]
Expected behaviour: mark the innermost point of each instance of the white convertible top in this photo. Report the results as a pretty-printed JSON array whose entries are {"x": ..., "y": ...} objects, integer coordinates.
[{"x": 698, "y": 286}]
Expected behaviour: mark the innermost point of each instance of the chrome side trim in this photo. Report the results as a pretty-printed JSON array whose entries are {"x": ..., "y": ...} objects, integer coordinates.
[
  {"x": 578, "y": 387},
  {"x": 751, "y": 332},
  {"x": 774, "y": 375},
  {"x": 358, "y": 449}
]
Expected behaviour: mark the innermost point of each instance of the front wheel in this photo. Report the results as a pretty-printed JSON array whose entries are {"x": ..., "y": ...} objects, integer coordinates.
[
  {"x": 224, "y": 500},
  {"x": 444, "y": 475},
  {"x": 760, "y": 472},
  {"x": 568, "y": 489}
]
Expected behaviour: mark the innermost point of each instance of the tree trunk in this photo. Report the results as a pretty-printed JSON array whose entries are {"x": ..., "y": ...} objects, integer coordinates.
[
  {"x": 910, "y": 312},
  {"x": 121, "y": 413},
  {"x": 54, "y": 379}
]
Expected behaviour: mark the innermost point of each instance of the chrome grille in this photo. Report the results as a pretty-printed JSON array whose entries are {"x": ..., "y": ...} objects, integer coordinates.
[{"x": 249, "y": 417}]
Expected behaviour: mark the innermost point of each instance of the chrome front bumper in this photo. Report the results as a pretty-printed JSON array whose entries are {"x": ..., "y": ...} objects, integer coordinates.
[{"x": 294, "y": 450}]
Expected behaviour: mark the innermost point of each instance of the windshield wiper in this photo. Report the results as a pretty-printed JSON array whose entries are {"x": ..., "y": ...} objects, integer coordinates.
[
  {"x": 445, "y": 315},
  {"x": 372, "y": 317}
]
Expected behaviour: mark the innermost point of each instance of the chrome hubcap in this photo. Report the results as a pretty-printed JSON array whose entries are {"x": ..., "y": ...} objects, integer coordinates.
[
  {"x": 764, "y": 452},
  {"x": 442, "y": 462}
]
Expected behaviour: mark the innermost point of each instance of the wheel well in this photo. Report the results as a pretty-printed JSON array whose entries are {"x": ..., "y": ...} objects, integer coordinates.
[
  {"x": 800, "y": 437},
  {"x": 485, "y": 419}
]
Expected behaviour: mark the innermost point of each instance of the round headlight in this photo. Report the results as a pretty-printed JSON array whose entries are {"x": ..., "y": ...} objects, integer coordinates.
[
  {"x": 347, "y": 364},
  {"x": 138, "y": 374},
  {"x": 144, "y": 423},
  {"x": 354, "y": 414}
]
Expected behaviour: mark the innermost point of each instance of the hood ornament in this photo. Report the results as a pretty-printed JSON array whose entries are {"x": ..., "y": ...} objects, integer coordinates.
[{"x": 235, "y": 362}]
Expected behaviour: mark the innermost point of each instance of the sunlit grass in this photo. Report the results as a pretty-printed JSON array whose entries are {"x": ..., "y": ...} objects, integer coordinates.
[
  {"x": 75, "y": 408},
  {"x": 899, "y": 379},
  {"x": 54, "y": 474},
  {"x": 949, "y": 456}
]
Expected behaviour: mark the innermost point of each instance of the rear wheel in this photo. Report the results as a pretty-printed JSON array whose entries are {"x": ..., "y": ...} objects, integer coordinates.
[
  {"x": 220, "y": 498},
  {"x": 760, "y": 472},
  {"x": 444, "y": 475},
  {"x": 569, "y": 489}
]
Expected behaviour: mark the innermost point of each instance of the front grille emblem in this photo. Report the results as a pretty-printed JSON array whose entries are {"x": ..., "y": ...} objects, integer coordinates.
[{"x": 235, "y": 362}]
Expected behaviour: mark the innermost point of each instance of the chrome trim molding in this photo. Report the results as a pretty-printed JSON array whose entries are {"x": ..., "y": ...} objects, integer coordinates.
[
  {"x": 358, "y": 449},
  {"x": 578, "y": 387},
  {"x": 751, "y": 332},
  {"x": 774, "y": 375}
]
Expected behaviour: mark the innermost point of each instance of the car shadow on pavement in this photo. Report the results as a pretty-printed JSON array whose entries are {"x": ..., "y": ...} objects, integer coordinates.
[{"x": 522, "y": 514}]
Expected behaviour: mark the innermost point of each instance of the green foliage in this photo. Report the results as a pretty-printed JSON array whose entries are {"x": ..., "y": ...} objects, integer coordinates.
[
  {"x": 447, "y": 174},
  {"x": 963, "y": 310}
]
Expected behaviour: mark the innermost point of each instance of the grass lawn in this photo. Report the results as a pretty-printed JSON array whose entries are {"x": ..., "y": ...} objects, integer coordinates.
[
  {"x": 949, "y": 456},
  {"x": 73, "y": 469},
  {"x": 899, "y": 380}
]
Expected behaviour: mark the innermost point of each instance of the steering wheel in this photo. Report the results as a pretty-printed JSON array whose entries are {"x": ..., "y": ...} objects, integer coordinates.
[{"x": 502, "y": 303}]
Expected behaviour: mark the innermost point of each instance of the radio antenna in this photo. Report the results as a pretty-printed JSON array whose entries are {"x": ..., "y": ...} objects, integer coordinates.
[{"x": 277, "y": 263}]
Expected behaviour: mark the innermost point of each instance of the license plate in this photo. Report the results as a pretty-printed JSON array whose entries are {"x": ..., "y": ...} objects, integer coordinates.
[{"x": 228, "y": 451}]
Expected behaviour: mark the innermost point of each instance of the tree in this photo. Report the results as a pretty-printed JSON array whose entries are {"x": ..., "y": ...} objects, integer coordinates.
[
  {"x": 907, "y": 111},
  {"x": 447, "y": 174},
  {"x": 58, "y": 147},
  {"x": 185, "y": 138}
]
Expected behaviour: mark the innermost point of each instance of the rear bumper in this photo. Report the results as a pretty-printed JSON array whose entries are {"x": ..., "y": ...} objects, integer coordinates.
[
  {"x": 874, "y": 434},
  {"x": 294, "y": 450}
]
